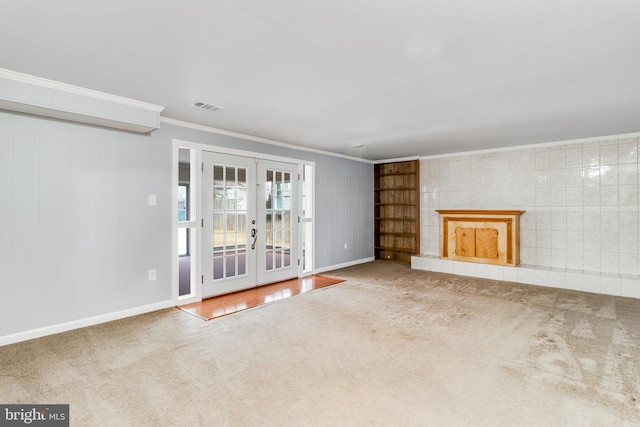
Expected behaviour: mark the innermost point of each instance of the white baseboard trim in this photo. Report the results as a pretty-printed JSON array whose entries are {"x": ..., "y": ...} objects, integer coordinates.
[
  {"x": 82, "y": 323},
  {"x": 343, "y": 265}
]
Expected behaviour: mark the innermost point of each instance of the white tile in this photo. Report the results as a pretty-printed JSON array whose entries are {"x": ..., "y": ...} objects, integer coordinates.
[
  {"x": 447, "y": 266},
  {"x": 609, "y": 175},
  {"x": 628, "y": 263},
  {"x": 591, "y": 219},
  {"x": 525, "y": 275},
  {"x": 629, "y": 242},
  {"x": 528, "y": 220},
  {"x": 528, "y": 255},
  {"x": 629, "y": 221},
  {"x": 556, "y": 279},
  {"x": 628, "y": 174},
  {"x": 609, "y": 262},
  {"x": 542, "y": 158},
  {"x": 543, "y": 238},
  {"x": 559, "y": 239},
  {"x": 488, "y": 271},
  {"x": 591, "y": 196},
  {"x": 540, "y": 276},
  {"x": 573, "y": 280},
  {"x": 575, "y": 259},
  {"x": 464, "y": 268},
  {"x": 593, "y": 240},
  {"x": 558, "y": 158},
  {"x": 609, "y": 220},
  {"x": 574, "y": 157},
  {"x": 609, "y": 195},
  {"x": 559, "y": 220},
  {"x": 558, "y": 178},
  {"x": 609, "y": 241},
  {"x": 559, "y": 197},
  {"x": 543, "y": 197},
  {"x": 575, "y": 240},
  {"x": 574, "y": 196},
  {"x": 627, "y": 152},
  {"x": 591, "y": 260},
  {"x": 628, "y": 195},
  {"x": 437, "y": 265},
  {"x": 510, "y": 274},
  {"x": 527, "y": 197},
  {"x": 574, "y": 177},
  {"x": 610, "y": 284},
  {"x": 575, "y": 220},
  {"x": 592, "y": 283},
  {"x": 590, "y": 155},
  {"x": 543, "y": 219},
  {"x": 558, "y": 258},
  {"x": 528, "y": 238},
  {"x": 609, "y": 154},
  {"x": 630, "y": 287}
]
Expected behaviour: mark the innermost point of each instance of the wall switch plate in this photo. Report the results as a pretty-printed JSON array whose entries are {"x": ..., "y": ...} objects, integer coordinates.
[
  {"x": 152, "y": 275},
  {"x": 345, "y": 246},
  {"x": 152, "y": 200}
]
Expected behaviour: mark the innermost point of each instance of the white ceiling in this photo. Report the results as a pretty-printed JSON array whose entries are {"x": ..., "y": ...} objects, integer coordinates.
[{"x": 403, "y": 77}]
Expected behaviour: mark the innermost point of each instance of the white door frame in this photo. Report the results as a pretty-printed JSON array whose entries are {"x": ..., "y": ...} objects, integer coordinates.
[{"x": 197, "y": 206}]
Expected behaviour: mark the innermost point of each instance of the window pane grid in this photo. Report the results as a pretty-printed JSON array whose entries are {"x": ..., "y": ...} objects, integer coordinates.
[{"x": 230, "y": 217}]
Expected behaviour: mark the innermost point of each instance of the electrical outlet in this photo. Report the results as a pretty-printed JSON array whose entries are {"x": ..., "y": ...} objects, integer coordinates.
[{"x": 152, "y": 275}]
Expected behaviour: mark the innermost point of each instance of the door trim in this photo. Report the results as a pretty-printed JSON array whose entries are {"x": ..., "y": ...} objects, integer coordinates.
[{"x": 199, "y": 148}]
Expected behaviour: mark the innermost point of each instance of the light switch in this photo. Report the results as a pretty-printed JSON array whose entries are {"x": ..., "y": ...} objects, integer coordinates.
[{"x": 152, "y": 200}]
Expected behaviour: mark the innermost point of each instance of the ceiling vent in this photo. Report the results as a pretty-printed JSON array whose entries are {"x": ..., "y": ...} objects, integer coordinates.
[{"x": 206, "y": 106}]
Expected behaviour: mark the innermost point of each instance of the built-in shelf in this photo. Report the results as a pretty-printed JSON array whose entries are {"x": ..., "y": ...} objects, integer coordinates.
[{"x": 396, "y": 215}]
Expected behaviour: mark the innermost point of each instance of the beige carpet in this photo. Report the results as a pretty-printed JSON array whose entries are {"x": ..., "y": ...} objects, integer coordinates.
[{"x": 389, "y": 347}]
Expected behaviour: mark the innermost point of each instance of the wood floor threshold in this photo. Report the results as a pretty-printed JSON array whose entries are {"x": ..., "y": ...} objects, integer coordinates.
[{"x": 223, "y": 305}]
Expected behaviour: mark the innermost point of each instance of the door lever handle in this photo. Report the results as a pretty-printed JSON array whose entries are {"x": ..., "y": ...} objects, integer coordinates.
[{"x": 254, "y": 234}]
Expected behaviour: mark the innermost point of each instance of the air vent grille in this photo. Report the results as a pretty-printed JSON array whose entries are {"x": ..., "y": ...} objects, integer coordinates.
[{"x": 206, "y": 106}]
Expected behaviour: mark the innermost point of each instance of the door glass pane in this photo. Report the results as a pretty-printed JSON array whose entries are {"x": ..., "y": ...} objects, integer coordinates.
[
  {"x": 218, "y": 175},
  {"x": 278, "y": 219},
  {"x": 184, "y": 181},
  {"x": 184, "y": 262},
  {"x": 230, "y": 221}
]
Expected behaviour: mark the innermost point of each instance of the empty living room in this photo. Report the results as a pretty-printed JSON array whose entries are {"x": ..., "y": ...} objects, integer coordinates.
[{"x": 260, "y": 213}]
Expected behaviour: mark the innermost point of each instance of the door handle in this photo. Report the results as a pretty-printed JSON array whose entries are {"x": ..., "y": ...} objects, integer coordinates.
[{"x": 254, "y": 234}]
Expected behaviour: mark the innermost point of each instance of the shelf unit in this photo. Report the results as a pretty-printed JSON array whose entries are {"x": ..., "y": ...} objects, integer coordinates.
[{"x": 397, "y": 210}]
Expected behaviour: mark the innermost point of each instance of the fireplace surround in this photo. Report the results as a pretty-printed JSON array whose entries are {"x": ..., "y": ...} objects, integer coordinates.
[{"x": 481, "y": 236}]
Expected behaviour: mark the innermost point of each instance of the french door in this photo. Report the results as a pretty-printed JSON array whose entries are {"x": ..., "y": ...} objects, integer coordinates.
[{"x": 250, "y": 222}]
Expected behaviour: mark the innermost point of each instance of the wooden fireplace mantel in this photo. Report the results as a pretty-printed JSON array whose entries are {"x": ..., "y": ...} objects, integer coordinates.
[{"x": 483, "y": 236}]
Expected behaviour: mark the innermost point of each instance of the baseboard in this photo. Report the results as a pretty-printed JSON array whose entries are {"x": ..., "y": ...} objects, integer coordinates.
[
  {"x": 82, "y": 323},
  {"x": 343, "y": 265}
]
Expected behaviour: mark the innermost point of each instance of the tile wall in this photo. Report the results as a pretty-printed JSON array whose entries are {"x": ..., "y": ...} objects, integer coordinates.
[{"x": 581, "y": 228}]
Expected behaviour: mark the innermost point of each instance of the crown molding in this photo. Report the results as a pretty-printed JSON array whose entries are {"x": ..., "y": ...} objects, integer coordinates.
[
  {"x": 77, "y": 90},
  {"x": 267, "y": 141}
]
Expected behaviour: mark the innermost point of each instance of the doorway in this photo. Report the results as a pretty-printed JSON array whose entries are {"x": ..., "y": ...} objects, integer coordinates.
[{"x": 250, "y": 222}]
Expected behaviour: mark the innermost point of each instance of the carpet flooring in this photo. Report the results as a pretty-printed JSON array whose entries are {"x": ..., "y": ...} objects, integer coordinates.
[{"x": 389, "y": 346}]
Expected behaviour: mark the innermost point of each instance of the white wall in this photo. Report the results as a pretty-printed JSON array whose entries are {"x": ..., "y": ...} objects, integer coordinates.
[
  {"x": 581, "y": 201},
  {"x": 77, "y": 235}
]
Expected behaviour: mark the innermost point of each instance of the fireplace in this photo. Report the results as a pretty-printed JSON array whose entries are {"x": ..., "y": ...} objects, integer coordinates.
[{"x": 483, "y": 236}]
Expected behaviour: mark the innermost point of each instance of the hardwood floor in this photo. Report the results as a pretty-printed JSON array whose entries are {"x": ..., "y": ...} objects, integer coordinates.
[{"x": 211, "y": 308}]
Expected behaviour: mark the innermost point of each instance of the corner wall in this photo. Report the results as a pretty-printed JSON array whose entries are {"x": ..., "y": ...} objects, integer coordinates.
[{"x": 581, "y": 226}]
